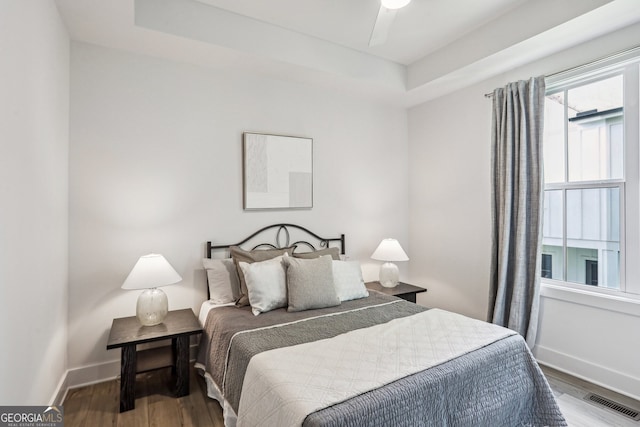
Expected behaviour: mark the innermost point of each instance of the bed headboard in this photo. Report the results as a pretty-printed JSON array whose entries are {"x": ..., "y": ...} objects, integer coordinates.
[{"x": 278, "y": 236}]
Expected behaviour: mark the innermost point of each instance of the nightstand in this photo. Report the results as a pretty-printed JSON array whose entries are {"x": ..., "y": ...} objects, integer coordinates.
[
  {"x": 403, "y": 290},
  {"x": 127, "y": 332}
]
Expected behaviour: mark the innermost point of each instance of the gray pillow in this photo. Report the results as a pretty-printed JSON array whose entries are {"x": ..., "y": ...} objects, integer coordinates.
[
  {"x": 240, "y": 255},
  {"x": 334, "y": 252},
  {"x": 222, "y": 277},
  {"x": 310, "y": 283}
]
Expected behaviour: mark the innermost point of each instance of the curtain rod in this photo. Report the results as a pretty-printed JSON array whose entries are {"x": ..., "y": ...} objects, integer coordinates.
[{"x": 588, "y": 64}]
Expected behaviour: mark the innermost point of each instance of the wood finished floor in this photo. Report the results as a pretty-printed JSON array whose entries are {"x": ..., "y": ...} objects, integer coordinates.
[
  {"x": 97, "y": 405},
  {"x": 570, "y": 393}
]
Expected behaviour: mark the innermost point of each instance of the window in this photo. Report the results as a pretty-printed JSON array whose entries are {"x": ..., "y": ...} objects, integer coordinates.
[
  {"x": 547, "y": 268},
  {"x": 590, "y": 146},
  {"x": 591, "y": 272}
]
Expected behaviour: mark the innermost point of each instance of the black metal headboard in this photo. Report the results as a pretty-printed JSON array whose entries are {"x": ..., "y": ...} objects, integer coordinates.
[{"x": 282, "y": 231}]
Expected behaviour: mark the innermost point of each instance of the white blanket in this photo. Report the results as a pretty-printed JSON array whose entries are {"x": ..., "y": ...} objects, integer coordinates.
[{"x": 282, "y": 386}]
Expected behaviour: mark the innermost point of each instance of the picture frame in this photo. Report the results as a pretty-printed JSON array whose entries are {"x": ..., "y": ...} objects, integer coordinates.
[{"x": 277, "y": 171}]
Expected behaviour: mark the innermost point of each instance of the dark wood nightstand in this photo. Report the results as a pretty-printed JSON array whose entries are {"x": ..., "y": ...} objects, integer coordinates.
[
  {"x": 403, "y": 290},
  {"x": 127, "y": 332}
]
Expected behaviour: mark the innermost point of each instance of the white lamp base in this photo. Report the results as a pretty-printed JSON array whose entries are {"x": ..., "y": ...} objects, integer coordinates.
[
  {"x": 389, "y": 275},
  {"x": 152, "y": 307}
]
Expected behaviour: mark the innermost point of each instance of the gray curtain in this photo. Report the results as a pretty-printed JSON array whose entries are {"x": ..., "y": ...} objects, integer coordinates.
[{"x": 517, "y": 193}]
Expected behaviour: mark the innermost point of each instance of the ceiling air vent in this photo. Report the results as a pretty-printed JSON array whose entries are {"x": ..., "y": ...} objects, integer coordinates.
[{"x": 614, "y": 406}]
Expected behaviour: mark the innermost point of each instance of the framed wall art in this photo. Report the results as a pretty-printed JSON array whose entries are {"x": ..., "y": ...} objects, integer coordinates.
[{"x": 278, "y": 172}]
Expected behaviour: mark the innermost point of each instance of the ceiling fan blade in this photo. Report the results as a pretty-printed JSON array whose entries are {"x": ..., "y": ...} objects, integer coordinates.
[{"x": 381, "y": 28}]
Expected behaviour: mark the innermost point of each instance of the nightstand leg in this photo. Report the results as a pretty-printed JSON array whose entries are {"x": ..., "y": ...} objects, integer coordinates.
[
  {"x": 182, "y": 365},
  {"x": 174, "y": 357},
  {"x": 128, "y": 378},
  {"x": 410, "y": 297}
]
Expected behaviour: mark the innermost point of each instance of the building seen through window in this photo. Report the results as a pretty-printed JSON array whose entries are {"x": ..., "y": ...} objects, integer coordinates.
[{"x": 584, "y": 183}]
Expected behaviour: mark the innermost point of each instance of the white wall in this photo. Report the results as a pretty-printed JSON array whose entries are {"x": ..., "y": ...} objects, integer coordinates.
[
  {"x": 450, "y": 226},
  {"x": 450, "y": 219},
  {"x": 34, "y": 117},
  {"x": 156, "y": 165}
]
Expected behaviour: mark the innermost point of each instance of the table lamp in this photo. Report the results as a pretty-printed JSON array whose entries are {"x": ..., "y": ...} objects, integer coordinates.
[
  {"x": 389, "y": 250},
  {"x": 150, "y": 272}
]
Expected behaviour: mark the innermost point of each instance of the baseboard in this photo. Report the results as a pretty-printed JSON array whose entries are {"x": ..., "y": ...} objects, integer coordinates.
[
  {"x": 597, "y": 374},
  {"x": 60, "y": 392},
  {"x": 93, "y": 374}
]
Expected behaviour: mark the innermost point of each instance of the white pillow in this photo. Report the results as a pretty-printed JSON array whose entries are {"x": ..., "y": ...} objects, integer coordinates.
[
  {"x": 222, "y": 276},
  {"x": 347, "y": 277},
  {"x": 266, "y": 284}
]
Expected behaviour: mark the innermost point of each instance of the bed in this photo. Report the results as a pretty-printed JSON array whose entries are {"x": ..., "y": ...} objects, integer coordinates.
[{"x": 334, "y": 354}]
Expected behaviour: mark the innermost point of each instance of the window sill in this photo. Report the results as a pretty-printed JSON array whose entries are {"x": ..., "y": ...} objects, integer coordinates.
[{"x": 619, "y": 302}]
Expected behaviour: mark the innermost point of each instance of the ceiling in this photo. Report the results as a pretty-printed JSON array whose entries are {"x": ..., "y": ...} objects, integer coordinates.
[
  {"x": 418, "y": 29},
  {"x": 433, "y": 47}
]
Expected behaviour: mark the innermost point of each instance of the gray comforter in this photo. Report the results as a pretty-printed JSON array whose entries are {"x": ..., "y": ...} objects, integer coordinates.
[{"x": 498, "y": 385}]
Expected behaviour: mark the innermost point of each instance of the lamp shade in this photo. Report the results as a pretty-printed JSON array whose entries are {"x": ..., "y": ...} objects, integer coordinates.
[
  {"x": 389, "y": 250},
  {"x": 151, "y": 271},
  {"x": 395, "y": 4}
]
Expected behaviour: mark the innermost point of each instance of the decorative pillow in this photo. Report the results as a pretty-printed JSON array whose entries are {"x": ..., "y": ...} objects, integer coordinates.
[
  {"x": 347, "y": 276},
  {"x": 334, "y": 252},
  {"x": 240, "y": 255},
  {"x": 266, "y": 284},
  {"x": 310, "y": 283},
  {"x": 222, "y": 276}
]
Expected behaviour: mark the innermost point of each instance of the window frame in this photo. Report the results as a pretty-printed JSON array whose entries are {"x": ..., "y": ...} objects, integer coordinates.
[{"x": 629, "y": 185}]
